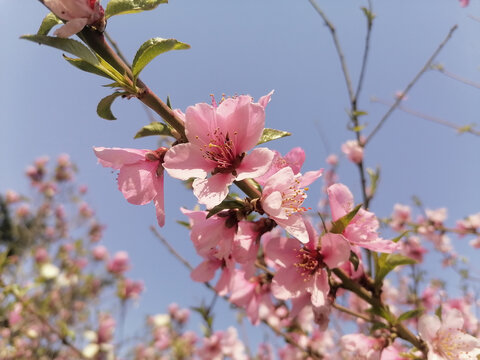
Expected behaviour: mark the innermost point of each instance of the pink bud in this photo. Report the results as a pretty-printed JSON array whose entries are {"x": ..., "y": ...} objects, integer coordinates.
[
  {"x": 119, "y": 264},
  {"x": 100, "y": 253}
]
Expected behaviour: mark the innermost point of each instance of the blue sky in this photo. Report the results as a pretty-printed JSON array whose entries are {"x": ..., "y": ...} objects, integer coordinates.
[{"x": 47, "y": 107}]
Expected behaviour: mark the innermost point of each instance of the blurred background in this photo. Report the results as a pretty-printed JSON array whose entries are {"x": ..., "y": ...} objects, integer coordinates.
[{"x": 47, "y": 107}]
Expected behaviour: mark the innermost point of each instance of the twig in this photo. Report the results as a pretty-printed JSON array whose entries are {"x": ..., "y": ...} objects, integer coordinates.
[
  {"x": 351, "y": 312},
  {"x": 366, "y": 51},
  {"x": 453, "y": 76},
  {"x": 460, "y": 129},
  {"x": 338, "y": 48},
  {"x": 171, "y": 249},
  {"x": 412, "y": 83}
]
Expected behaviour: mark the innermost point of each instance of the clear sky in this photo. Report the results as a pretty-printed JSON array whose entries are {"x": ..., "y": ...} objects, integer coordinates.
[{"x": 250, "y": 47}]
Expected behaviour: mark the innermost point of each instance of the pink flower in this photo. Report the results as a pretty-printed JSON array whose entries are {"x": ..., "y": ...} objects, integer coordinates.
[
  {"x": 141, "y": 175},
  {"x": 119, "y": 264},
  {"x": 282, "y": 200},
  {"x": 219, "y": 138},
  {"x": 77, "y": 13},
  {"x": 360, "y": 347},
  {"x": 464, "y": 3},
  {"x": 100, "y": 253},
  {"x": 445, "y": 338},
  {"x": 362, "y": 230},
  {"x": 353, "y": 151},
  {"x": 294, "y": 159},
  {"x": 131, "y": 289},
  {"x": 301, "y": 269}
]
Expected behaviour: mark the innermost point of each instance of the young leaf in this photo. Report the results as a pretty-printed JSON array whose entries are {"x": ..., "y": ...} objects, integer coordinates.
[
  {"x": 339, "y": 225},
  {"x": 410, "y": 314},
  {"x": 71, "y": 46},
  {"x": 103, "y": 108},
  {"x": 154, "y": 128},
  {"x": 272, "y": 134},
  {"x": 85, "y": 66},
  {"x": 151, "y": 49},
  {"x": 120, "y": 7},
  {"x": 48, "y": 23},
  {"x": 388, "y": 262}
]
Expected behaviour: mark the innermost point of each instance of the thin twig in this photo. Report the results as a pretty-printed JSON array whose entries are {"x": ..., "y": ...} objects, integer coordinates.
[
  {"x": 366, "y": 51},
  {"x": 456, "y": 77},
  {"x": 351, "y": 312},
  {"x": 412, "y": 83},
  {"x": 460, "y": 129},
  {"x": 116, "y": 48},
  {"x": 338, "y": 48},
  {"x": 171, "y": 249}
]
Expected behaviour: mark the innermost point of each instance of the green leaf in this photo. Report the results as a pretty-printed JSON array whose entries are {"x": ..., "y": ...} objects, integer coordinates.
[
  {"x": 151, "y": 49},
  {"x": 225, "y": 205},
  {"x": 71, "y": 46},
  {"x": 85, "y": 66},
  {"x": 370, "y": 16},
  {"x": 103, "y": 108},
  {"x": 382, "y": 312},
  {"x": 359, "y": 113},
  {"x": 48, "y": 23},
  {"x": 272, "y": 134},
  {"x": 410, "y": 314},
  {"x": 388, "y": 262},
  {"x": 120, "y": 7},
  {"x": 154, "y": 128},
  {"x": 339, "y": 225}
]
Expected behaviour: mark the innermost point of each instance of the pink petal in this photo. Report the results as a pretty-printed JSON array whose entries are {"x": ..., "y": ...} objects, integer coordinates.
[
  {"x": 200, "y": 123},
  {"x": 295, "y": 159},
  {"x": 185, "y": 161},
  {"x": 452, "y": 319},
  {"x": 158, "y": 201},
  {"x": 378, "y": 245},
  {"x": 335, "y": 250},
  {"x": 243, "y": 120},
  {"x": 281, "y": 180},
  {"x": 71, "y": 27},
  {"x": 320, "y": 289},
  {"x": 212, "y": 191},
  {"x": 205, "y": 271},
  {"x": 309, "y": 177},
  {"x": 117, "y": 157},
  {"x": 272, "y": 205},
  {"x": 264, "y": 100},
  {"x": 287, "y": 283},
  {"x": 295, "y": 226},
  {"x": 428, "y": 326},
  {"x": 341, "y": 200},
  {"x": 136, "y": 182},
  {"x": 255, "y": 164},
  {"x": 283, "y": 251}
]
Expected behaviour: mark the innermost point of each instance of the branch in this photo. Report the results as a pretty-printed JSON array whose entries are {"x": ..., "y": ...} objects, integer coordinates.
[
  {"x": 453, "y": 76},
  {"x": 366, "y": 51},
  {"x": 338, "y": 48},
  {"x": 412, "y": 83},
  {"x": 460, "y": 129}
]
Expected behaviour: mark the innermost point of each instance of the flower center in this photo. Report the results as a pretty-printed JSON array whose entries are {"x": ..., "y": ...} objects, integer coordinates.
[
  {"x": 293, "y": 198},
  {"x": 221, "y": 150},
  {"x": 308, "y": 263},
  {"x": 448, "y": 345}
]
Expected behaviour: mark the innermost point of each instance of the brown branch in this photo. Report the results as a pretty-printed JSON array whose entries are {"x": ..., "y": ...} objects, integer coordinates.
[{"x": 456, "y": 77}]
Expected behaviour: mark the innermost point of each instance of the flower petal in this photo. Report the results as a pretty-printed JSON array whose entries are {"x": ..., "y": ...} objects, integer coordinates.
[
  {"x": 117, "y": 157},
  {"x": 212, "y": 191},
  {"x": 341, "y": 200},
  {"x": 185, "y": 161},
  {"x": 136, "y": 182},
  {"x": 295, "y": 226},
  {"x": 335, "y": 250},
  {"x": 255, "y": 164}
]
